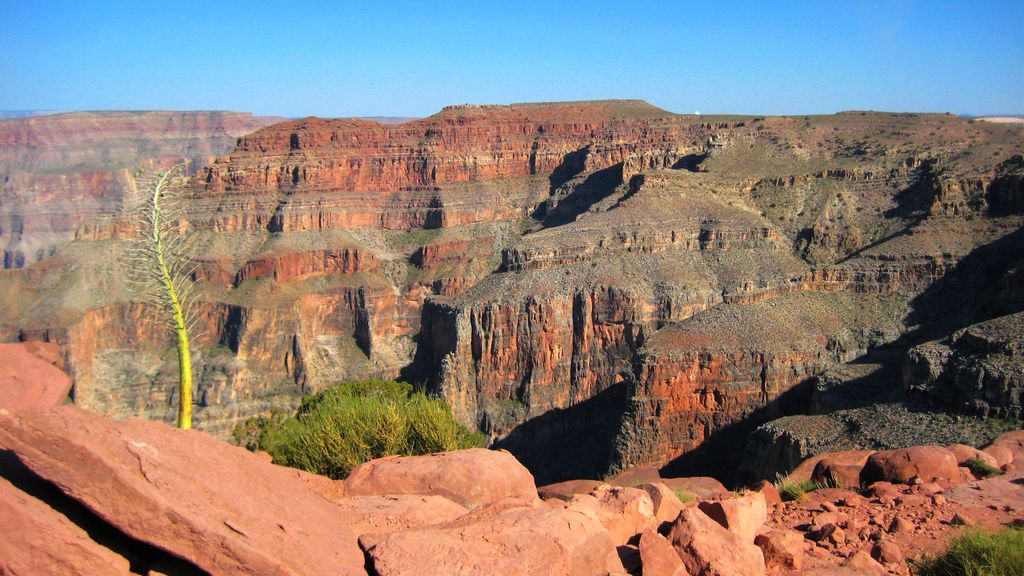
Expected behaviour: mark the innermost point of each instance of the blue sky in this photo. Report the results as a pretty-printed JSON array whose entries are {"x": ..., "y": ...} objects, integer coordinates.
[{"x": 410, "y": 59}]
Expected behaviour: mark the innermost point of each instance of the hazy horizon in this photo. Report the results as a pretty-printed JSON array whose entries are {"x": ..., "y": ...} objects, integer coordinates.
[{"x": 394, "y": 59}]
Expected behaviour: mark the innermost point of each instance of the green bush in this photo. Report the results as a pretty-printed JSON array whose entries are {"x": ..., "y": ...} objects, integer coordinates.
[
  {"x": 982, "y": 469},
  {"x": 978, "y": 553},
  {"x": 339, "y": 428}
]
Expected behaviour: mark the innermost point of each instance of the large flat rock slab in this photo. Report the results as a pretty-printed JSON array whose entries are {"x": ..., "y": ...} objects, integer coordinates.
[
  {"x": 36, "y": 539},
  {"x": 213, "y": 505},
  {"x": 514, "y": 542}
]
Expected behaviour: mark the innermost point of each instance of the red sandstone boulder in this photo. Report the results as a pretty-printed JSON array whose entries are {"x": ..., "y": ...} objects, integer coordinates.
[
  {"x": 624, "y": 512},
  {"x": 658, "y": 557},
  {"x": 36, "y": 539},
  {"x": 783, "y": 549},
  {"x": 845, "y": 458},
  {"x": 743, "y": 515},
  {"x": 636, "y": 476},
  {"x": 30, "y": 377},
  {"x": 884, "y": 490},
  {"x": 917, "y": 463},
  {"x": 386, "y": 514},
  {"x": 769, "y": 491},
  {"x": 831, "y": 471},
  {"x": 217, "y": 507},
  {"x": 1001, "y": 454},
  {"x": 667, "y": 505},
  {"x": 569, "y": 488},
  {"x": 709, "y": 549},
  {"x": 473, "y": 478},
  {"x": 1014, "y": 442},
  {"x": 963, "y": 453},
  {"x": 523, "y": 541},
  {"x": 703, "y": 487}
]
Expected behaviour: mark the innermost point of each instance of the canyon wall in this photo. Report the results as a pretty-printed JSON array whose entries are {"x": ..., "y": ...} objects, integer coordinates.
[{"x": 606, "y": 275}]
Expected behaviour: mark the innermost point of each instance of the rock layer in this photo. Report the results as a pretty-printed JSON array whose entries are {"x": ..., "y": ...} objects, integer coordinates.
[{"x": 674, "y": 279}]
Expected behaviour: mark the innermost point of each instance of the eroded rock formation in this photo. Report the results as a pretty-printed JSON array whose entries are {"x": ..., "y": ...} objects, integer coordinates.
[{"x": 603, "y": 274}]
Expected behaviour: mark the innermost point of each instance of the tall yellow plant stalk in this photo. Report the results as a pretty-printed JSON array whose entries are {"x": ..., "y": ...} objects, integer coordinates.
[{"x": 162, "y": 270}]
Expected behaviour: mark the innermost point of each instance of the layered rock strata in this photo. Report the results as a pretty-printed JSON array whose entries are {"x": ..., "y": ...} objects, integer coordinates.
[{"x": 544, "y": 267}]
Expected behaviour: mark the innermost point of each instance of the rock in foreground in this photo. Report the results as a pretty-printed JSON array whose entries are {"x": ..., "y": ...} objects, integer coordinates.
[
  {"x": 216, "y": 507},
  {"x": 523, "y": 541},
  {"x": 472, "y": 478}
]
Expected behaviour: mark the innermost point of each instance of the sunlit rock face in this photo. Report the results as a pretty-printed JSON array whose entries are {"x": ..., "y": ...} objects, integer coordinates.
[{"x": 606, "y": 274}]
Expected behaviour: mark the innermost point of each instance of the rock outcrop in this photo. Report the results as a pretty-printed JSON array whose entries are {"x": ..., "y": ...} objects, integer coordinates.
[
  {"x": 83, "y": 493},
  {"x": 206, "y": 505},
  {"x": 978, "y": 369}
]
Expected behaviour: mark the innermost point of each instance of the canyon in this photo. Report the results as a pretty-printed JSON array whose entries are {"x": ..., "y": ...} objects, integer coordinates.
[{"x": 595, "y": 285}]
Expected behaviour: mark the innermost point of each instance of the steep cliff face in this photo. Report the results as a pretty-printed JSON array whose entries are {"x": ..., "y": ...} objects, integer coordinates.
[
  {"x": 978, "y": 370},
  {"x": 706, "y": 288},
  {"x": 675, "y": 279},
  {"x": 461, "y": 143}
]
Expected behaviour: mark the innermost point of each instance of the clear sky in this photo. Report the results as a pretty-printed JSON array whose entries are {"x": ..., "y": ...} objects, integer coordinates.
[{"x": 411, "y": 58}]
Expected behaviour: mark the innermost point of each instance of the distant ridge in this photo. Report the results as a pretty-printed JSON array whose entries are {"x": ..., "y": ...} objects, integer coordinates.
[
  {"x": 583, "y": 109},
  {"x": 389, "y": 119},
  {"x": 6, "y": 114}
]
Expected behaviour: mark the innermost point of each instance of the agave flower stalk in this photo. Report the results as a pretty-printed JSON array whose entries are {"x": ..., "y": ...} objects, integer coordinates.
[{"x": 162, "y": 270}]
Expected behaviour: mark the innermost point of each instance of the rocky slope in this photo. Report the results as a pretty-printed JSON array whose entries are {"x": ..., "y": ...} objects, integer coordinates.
[
  {"x": 82, "y": 493},
  {"x": 605, "y": 274}
]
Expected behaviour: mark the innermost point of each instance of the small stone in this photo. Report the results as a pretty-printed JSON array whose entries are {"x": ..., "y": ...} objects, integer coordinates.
[
  {"x": 887, "y": 552},
  {"x": 783, "y": 549},
  {"x": 825, "y": 518},
  {"x": 900, "y": 525},
  {"x": 962, "y": 520},
  {"x": 863, "y": 561}
]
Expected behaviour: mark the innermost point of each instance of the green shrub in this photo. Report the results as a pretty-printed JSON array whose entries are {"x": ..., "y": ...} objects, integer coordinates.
[
  {"x": 978, "y": 553},
  {"x": 341, "y": 427},
  {"x": 982, "y": 469}
]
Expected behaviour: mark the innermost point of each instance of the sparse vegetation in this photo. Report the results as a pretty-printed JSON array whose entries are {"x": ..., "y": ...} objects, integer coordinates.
[
  {"x": 684, "y": 496},
  {"x": 982, "y": 469},
  {"x": 795, "y": 490},
  {"x": 978, "y": 553},
  {"x": 339, "y": 428}
]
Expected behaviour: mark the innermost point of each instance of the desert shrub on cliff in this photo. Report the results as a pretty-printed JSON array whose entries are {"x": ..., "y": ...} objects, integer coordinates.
[
  {"x": 341, "y": 427},
  {"x": 978, "y": 553}
]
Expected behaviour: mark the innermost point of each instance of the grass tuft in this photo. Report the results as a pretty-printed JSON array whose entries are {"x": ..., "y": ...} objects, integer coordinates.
[
  {"x": 982, "y": 469},
  {"x": 978, "y": 553},
  {"x": 795, "y": 490}
]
